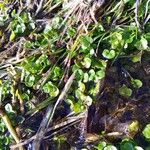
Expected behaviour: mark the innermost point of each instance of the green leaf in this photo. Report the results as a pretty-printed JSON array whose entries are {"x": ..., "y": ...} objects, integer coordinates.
[
  {"x": 100, "y": 74},
  {"x": 127, "y": 145},
  {"x": 54, "y": 92},
  {"x": 125, "y": 91},
  {"x": 116, "y": 40},
  {"x": 9, "y": 108},
  {"x": 110, "y": 147},
  {"x": 136, "y": 83},
  {"x": 101, "y": 146},
  {"x": 91, "y": 75},
  {"x": 134, "y": 126},
  {"x": 86, "y": 62},
  {"x": 12, "y": 36},
  {"x": 71, "y": 32},
  {"x": 29, "y": 80},
  {"x": 146, "y": 132},
  {"x": 92, "y": 52},
  {"x": 136, "y": 58},
  {"x": 88, "y": 101},
  {"x": 138, "y": 148},
  {"x": 81, "y": 86},
  {"x": 79, "y": 74},
  {"x": 51, "y": 89},
  {"x": 99, "y": 64},
  {"x": 85, "y": 77},
  {"x": 20, "y": 28},
  {"x": 79, "y": 95},
  {"x": 108, "y": 54},
  {"x": 32, "y": 25},
  {"x": 78, "y": 107},
  {"x": 85, "y": 41},
  {"x": 142, "y": 44},
  {"x": 56, "y": 73}
]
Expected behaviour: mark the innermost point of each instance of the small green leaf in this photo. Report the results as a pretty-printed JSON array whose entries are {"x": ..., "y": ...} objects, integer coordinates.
[
  {"x": 142, "y": 44},
  {"x": 20, "y": 28},
  {"x": 136, "y": 83},
  {"x": 92, "y": 52},
  {"x": 138, "y": 148},
  {"x": 71, "y": 32},
  {"x": 56, "y": 73},
  {"x": 79, "y": 95},
  {"x": 32, "y": 25},
  {"x": 100, "y": 74},
  {"x": 85, "y": 41},
  {"x": 136, "y": 58},
  {"x": 29, "y": 80},
  {"x": 110, "y": 147},
  {"x": 88, "y": 101},
  {"x": 55, "y": 92},
  {"x": 85, "y": 77},
  {"x": 81, "y": 86},
  {"x": 125, "y": 91},
  {"x": 79, "y": 74},
  {"x": 127, "y": 145},
  {"x": 108, "y": 54},
  {"x": 86, "y": 62},
  {"x": 12, "y": 36},
  {"x": 134, "y": 126},
  {"x": 91, "y": 75},
  {"x": 9, "y": 108},
  {"x": 101, "y": 146},
  {"x": 51, "y": 89},
  {"x": 146, "y": 132}
]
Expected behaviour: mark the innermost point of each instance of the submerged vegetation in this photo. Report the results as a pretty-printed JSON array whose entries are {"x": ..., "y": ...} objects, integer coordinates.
[{"x": 75, "y": 74}]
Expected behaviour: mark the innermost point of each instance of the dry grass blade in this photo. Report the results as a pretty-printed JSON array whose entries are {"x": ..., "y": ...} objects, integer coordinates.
[{"x": 50, "y": 113}]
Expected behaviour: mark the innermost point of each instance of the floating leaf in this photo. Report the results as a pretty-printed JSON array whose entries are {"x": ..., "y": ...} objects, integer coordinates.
[
  {"x": 88, "y": 101},
  {"x": 20, "y": 28},
  {"x": 142, "y": 44},
  {"x": 81, "y": 86},
  {"x": 51, "y": 89},
  {"x": 91, "y": 75},
  {"x": 71, "y": 32},
  {"x": 85, "y": 41},
  {"x": 12, "y": 36},
  {"x": 127, "y": 146},
  {"x": 108, "y": 54},
  {"x": 136, "y": 83},
  {"x": 125, "y": 91},
  {"x": 32, "y": 25},
  {"x": 110, "y": 147},
  {"x": 79, "y": 74},
  {"x": 100, "y": 74},
  {"x": 146, "y": 132},
  {"x": 85, "y": 77},
  {"x": 136, "y": 58},
  {"x": 138, "y": 148},
  {"x": 86, "y": 62},
  {"x": 9, "y": 108},
  {"x": 101, "y": 146},
  {"x": 134, "y": 126},
  {"x": 29, "y": 80}
]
